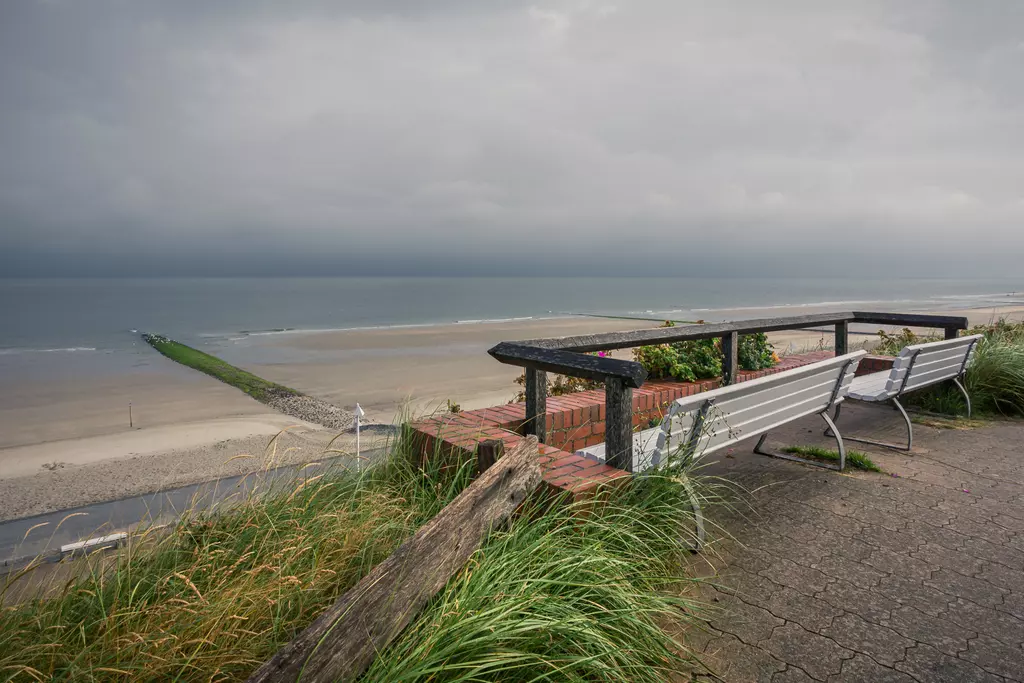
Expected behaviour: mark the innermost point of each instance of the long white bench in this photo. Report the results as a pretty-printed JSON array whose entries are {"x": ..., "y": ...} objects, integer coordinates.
[
  {"x": 704, "y": 423},
  {"x": 918, "y": 366}
]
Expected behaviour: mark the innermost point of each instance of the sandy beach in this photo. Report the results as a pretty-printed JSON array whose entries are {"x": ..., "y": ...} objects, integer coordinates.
[{"x": 67, "y": 442}]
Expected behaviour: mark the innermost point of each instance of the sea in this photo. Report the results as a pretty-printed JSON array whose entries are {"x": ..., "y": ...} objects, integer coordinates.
[{"x": 88, "y": 326}]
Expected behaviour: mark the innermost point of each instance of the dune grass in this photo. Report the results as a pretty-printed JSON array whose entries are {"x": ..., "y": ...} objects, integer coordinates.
[
  {"x": 854, "y": 459},
  {"x": 994, "y": 378},
  {"x": 257, "y": 387},
  {"x": 559, "y": 595},
  {"x": 563, "y": 595}
]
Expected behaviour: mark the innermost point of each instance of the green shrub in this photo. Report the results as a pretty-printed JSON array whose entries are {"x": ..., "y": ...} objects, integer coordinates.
[
  {"x": 689, "y": 361},
  {"x": 891, "y": 343},
  {"x": 755, "y": 353}
]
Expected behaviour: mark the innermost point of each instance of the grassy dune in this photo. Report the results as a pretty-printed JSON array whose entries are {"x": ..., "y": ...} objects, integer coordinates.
[{"x": 557, "y": 596}]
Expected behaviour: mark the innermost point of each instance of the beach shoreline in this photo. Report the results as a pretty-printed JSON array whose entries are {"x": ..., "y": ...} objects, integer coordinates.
[{"x": 68, "y": 443}]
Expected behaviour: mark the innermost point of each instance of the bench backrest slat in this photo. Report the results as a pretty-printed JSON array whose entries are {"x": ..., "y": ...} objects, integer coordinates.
[
  {"x": 748, "y": 409},
  {"x": 929, "y": 363}
]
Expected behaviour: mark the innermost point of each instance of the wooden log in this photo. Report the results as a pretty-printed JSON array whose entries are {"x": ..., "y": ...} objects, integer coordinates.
[
  {"x": 730, "y": 357},
  {"x": 842, "y": 338},
  {"x": 487, "y": 453},
  {"x": 536, "y": 404},
  {"x": 343, "y": 641},
  {"x": 569, "y": 363},
  {"x": 953, "y": 332},
  {"x": 618, "y": 436}
]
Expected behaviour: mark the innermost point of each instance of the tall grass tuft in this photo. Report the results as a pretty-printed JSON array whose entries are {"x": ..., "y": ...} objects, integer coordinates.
[
  {"x": 569, "y": 592},
  {"x": 221, "y": 593},
  {"x": 994, "y": 378}
]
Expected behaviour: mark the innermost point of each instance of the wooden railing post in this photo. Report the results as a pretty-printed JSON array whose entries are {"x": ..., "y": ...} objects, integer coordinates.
[
  {"x": 618, "y": 437},
  {"x": 487, "y": 453},
  {"x": 842, "y": 338},
  {"x": 536, "y": 404},
  {"x": 730, "y": 359},
  {"x": 952, "y": 332}
]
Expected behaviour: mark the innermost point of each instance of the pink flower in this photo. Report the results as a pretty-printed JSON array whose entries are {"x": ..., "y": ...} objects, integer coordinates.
[{"x": 601, "y": 354}]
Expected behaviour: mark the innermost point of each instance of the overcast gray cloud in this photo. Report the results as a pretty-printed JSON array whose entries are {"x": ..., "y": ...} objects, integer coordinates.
[{"x": 186, "y": 136}]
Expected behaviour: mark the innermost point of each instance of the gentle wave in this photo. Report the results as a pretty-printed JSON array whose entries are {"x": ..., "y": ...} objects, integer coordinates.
[
  {"x": 370, "y": 328},
  {"x": 70, "y": 349}
]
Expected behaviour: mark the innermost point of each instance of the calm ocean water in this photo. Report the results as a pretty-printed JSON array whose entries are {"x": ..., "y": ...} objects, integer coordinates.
[{"x": 44, "y": 323}]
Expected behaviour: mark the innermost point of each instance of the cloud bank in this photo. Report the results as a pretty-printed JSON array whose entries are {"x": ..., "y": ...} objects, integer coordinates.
[{"x": 456, "y": 136}]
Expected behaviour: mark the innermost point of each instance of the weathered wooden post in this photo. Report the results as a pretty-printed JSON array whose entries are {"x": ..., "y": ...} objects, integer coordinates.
[
  {"x": 952, "y": 332},
  {"x": 536, "y": 404},
  {"x": 842, "y": 338},
  {"x": 730, "y": 360},
  {"x": 618, "y": 436},
  {"x": 487, "y": 453}
]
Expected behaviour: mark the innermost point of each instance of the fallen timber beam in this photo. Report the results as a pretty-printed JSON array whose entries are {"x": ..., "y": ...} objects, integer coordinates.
[{"x": 344, "y": 640}]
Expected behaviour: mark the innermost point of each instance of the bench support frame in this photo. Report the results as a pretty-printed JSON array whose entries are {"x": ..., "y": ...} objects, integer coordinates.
[
  {"x": 895, "y": 400},
  {"x": 831, "y": 428}
]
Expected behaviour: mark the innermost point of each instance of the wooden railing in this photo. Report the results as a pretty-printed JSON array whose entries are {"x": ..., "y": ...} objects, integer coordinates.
[{"x": 566, "y": 356}]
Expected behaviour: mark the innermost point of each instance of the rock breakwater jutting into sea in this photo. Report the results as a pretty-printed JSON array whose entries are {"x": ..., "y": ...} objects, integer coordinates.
[{"x": 281, "y": 398}]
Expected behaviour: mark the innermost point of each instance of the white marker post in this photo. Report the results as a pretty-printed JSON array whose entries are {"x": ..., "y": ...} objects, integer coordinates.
[{"x": 359, "y": 413}]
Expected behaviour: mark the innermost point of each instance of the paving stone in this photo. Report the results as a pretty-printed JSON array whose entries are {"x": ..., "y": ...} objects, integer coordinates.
[
  {"x": 989, "y": 532},
  {"x": 792, "y": 675},
  {"x": 732, "y": 660},
  {"x": 975, "y": 590},
  {"x": 869, "y": 605},
  {"x": 927, "y": 599},
  {"x": 996, "y": 657},
  {"x": 843, "y": 569},
  {"x": 942, "y": 634},
  {"x": 928, "y": 665},
  {"x": 752, "y": 588},
  {"x": 940, "y": 536},
  {"x": 900, "y": 564},
  {"x": 987, "y": 621},
  {"x": 949, "y": 560},
  {"x": 881, "y": 521},
  {"x": 1003, "y": 577},
  {"x": 820, "y": 657},
  {"x": 862, "y": 668},
  {"x": 1000, "y": 554},
  {"x": 1013, "y": 604},
  {"x": 804, "y": 579},
  {"x": 748, "y": 623},
  {"x": 811, "y": 613},
  {"x": 883, "y": 645}
]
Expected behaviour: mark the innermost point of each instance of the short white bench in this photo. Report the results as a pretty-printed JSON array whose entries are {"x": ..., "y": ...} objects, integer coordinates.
[
  {"x": 918, "y": 366},
  {"x": 704, "y": 423}
]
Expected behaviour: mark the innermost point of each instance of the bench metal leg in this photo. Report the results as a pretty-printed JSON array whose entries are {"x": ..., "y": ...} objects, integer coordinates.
[
  {"x": 956, "y": 381},
  {"x": 895, "y": 446},
  {"x": 698, "y": 515},
  {"x": 795, "y": 458}
]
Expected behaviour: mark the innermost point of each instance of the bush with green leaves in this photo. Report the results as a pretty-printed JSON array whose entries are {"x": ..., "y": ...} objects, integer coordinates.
[
  {"x": 689, "y": 361},
  {"x": 756, "y": 353}
]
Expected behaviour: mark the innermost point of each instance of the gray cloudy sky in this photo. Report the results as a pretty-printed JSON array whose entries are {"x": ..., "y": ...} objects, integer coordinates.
[{"x": 467, "y": 136}]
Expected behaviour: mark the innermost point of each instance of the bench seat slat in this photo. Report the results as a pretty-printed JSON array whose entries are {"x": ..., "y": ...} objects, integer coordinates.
[{"x": 817, "y": 386}]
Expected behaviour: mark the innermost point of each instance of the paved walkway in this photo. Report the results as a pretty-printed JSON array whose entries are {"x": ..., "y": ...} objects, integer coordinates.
[{"x": 872, "y": 577}]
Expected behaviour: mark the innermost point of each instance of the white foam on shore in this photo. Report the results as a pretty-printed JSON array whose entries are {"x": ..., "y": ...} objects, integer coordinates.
[{"x": 70, "y": 349}]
